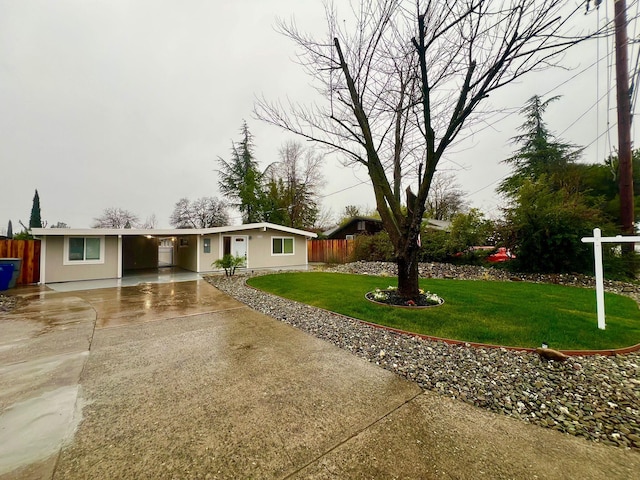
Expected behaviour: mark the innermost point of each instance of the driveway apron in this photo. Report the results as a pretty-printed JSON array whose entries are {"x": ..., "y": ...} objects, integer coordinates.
[{"x": 181, "y": 381}]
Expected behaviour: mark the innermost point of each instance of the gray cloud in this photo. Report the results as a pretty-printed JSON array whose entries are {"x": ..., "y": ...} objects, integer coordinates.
[{"x": 128, "y": 103}]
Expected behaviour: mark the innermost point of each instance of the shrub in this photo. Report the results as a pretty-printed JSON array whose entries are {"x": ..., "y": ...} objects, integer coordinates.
[
  {"x": 545, "y": 228},
  {"x": 229, "y": 263},
  {"x": 467, "y": 230},
  {"x": 616, "y": 265},
  {"x": 23, "y": 235},
  {"x": 372, "y": 248},
  {"x": 435, "y": 246}
]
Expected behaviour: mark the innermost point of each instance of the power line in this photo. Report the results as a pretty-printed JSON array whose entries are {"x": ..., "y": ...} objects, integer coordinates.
[
  {"x": 586, "y": 111},
  {"x": 344, "y": 189}
]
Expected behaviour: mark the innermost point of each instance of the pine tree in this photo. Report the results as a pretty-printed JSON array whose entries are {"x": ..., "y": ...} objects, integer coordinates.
[
  {"x": 35, "y": 221},
  {"x": 540, "y": 152},
  {"x": 241, "y": 179},
  {"x": 10, "y": 230}
]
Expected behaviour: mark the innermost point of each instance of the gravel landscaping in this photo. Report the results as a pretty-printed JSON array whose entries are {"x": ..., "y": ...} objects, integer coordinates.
[
  {"x": 595, "y": 397},
  {"x": 8, "y": 302}
]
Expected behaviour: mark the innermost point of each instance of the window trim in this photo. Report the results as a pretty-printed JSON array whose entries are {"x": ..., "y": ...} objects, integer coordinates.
[
  {"x": 99, "y": 261},
  {"x": 293, "y": 246}
]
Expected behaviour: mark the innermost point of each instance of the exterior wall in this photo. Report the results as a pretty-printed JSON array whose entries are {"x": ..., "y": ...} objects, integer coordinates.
[
  {"x": 56, "y": 271},
  {"x": 187, "y": 255},
  {"x": 260, "y": 250},
  {"x": 206, "y": 259}
]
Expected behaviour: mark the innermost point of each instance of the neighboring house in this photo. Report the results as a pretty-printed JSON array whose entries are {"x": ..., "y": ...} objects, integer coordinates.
[
  {"x": 355, "y": 226},
  {"x": 369, "y": 226},
  {"x": 96, "y": 253}
]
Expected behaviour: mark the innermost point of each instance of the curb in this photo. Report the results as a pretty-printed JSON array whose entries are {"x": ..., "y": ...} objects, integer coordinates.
[{"x": 571, "y": 353}]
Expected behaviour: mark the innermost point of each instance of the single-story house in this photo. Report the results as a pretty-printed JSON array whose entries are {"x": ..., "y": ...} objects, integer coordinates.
[
  {"x": 69, "y": 254},
  {"x": 368, "y": 226},
  {"x": 355, "y": 226}
]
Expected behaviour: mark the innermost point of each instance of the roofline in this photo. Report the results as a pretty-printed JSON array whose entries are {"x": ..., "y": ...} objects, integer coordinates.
[{"x": 166, "y": 232}]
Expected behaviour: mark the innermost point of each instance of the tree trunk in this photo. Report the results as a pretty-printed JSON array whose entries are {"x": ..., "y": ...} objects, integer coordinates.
[{"x": 408, "y": 286}]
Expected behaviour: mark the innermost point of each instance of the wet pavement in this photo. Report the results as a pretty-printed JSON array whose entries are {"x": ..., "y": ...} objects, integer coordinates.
[{"x": 177, "y": 380}]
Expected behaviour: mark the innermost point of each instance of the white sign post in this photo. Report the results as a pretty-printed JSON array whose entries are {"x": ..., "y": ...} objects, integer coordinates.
[{"x": 597, "y": 241}]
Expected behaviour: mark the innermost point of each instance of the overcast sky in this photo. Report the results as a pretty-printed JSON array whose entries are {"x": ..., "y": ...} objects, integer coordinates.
[{"x": 128, "y": 103}]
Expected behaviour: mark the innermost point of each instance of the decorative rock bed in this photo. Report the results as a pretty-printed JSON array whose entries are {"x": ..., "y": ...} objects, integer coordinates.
[{"x": 594, "y": 397}]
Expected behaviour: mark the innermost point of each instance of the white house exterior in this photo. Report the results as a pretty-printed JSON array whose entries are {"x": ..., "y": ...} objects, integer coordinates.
[{"x": 96, "y": 253}]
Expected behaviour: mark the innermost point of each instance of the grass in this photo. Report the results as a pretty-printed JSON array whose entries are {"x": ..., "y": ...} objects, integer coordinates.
[{"x": 505, "y": 313}]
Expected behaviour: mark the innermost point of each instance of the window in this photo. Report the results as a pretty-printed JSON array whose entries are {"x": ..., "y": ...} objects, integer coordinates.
[
  {"x": 282, "y": 245},
  {"x": 207, "y": 245},
  {"x": 83, "y": 250}
]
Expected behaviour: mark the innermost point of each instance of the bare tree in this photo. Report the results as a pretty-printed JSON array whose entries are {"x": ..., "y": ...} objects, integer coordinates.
[
  {"x": 150, "y": 223},
  {"x": 445, "y": 198},
  {"x": 400, "y": 79},
  {"x": 324, "y": 220},
  {"x": 351, "y": 211},
  {"x": 293, "y": 186},
  {"x": 205, "y": 212},
  {"x": 60, "y": 225},
  {"x": 115, "y": 218}
]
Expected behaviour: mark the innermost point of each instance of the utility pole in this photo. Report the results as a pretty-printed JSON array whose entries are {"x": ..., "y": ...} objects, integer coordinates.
[{"x": 625, "y": 167}]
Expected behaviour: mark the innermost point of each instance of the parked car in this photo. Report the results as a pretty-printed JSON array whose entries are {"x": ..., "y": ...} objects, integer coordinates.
[{"x": 502, "y": 255}]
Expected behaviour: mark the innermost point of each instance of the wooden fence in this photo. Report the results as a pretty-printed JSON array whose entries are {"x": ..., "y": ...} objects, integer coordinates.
[
  {"x": 329, "y": 251},
  {"x": 29, "y": 252}
]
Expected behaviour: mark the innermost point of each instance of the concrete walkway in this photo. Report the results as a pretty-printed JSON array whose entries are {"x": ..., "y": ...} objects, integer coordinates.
[{"x": 178, "y": 380}]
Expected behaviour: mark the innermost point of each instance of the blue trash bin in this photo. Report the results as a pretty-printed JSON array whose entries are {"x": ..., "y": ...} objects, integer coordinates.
[
  {"x": 6, "y": 272},
  {"x": 17, "y": 265}
]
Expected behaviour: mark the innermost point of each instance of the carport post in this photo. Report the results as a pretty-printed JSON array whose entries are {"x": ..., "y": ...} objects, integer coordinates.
[{"x": 119, "y": 256}]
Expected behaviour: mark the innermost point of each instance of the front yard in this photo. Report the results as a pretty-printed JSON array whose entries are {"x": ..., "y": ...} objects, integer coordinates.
[{"x": 519, "y": 314}]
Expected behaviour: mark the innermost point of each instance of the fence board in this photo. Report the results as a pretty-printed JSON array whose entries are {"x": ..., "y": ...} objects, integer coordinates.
[
  {"x": 29, "y": 252},
  {"x": 329, "y": 251}
]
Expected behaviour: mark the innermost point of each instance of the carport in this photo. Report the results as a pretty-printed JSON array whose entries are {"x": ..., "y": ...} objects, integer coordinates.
[
  {"x": 147, "y": 252},
  {"x": 70, "y": 255}
]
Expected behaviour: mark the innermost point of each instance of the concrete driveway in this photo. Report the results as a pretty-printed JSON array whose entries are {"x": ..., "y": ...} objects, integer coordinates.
[{"x": 178, "y": 380}]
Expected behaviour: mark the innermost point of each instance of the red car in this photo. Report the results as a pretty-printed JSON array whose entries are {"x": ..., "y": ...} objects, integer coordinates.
[{"x": 502, "y": 255}]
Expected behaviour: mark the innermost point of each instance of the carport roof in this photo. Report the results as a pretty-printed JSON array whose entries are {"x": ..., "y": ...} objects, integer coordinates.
[{"x": 167, "y": 232}]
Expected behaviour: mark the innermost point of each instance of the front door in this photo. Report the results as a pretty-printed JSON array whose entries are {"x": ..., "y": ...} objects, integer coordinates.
[{"x": 239, "y": 248}]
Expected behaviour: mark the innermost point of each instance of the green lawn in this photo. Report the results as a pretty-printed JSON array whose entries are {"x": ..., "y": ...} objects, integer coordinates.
[{"x": 505, "y": 313}]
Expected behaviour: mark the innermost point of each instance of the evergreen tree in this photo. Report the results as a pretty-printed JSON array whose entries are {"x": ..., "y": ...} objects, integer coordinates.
[
  {"x": 10, "y": 230},
  {"x": 35, "y": 221},
  {"x": 549, "y": 212},
  {"x": 241, "y": 179},
  {"x": 540, "y": 154}
]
